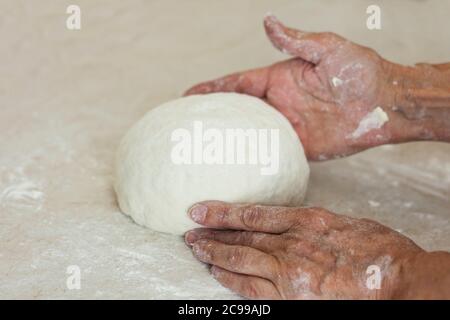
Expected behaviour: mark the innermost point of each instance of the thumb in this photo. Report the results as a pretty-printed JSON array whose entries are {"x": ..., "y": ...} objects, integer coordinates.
[{"x": 307, "y": 45}]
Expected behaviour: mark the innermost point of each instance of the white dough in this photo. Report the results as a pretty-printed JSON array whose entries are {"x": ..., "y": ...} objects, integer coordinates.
[{"x": 157, "y": 192}]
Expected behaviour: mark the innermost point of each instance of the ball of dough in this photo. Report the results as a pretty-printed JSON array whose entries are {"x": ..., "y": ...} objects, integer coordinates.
[{"x": 202, "y": 147}]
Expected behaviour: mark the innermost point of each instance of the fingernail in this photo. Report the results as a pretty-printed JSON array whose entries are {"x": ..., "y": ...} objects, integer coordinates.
[
  {"x": 198, "y": 213},
  {"x": 191, "y": 237}
]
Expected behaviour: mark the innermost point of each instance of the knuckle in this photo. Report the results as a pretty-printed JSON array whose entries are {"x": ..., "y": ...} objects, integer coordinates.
[
  {"x": 209, "y": 251},
  {"x": 236, "y": 257},
  {"x": 331, "y": 35},
  {"x": 222, "y": 218},
  {"x": 205, "y": 251},
  {"x": 321, "y": 219},
  {"x": 324, "y": 214},
  {"x": 251, "y": 216},
  {"x": 245, "y": 238}
]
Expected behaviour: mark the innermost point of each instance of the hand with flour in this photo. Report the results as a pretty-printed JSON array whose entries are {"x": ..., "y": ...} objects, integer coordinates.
[
  {"x": 311, "y": 253},
  {"x": 342, "y": 98}
]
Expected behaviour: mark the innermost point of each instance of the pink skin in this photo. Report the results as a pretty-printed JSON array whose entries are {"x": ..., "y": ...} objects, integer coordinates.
[
  {"x": 311, "y": 253},
  {"x": 297, "y": 253},
  {"x": 323, "y": 115}
]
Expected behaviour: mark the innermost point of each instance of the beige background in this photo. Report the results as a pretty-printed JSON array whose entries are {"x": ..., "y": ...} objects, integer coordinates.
[{"x": 66, "y": 98}]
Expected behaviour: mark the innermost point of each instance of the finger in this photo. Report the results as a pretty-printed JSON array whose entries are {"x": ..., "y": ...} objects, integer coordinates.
[
  {"x": 306, "y": 45},
  {"x": 252, "y": 82},
  {"x": 258, "y": 240},
  {"x": 222, "y": 215},
  {"x": 247, "y": 286},
  {"x": 238, "y": 259}
]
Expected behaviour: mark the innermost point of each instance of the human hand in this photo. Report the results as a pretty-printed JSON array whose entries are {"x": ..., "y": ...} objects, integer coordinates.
[
  {"x": 335, "y": 93},
  {"x": 298, "y": 253}
]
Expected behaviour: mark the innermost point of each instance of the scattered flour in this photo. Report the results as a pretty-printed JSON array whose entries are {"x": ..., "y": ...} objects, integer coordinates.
[
  {"x": 408, "y": 204},
  {"x": 336, "y": 81},
  {"x": 20, "y": 191},
  {"x": 374, "y": 204}
]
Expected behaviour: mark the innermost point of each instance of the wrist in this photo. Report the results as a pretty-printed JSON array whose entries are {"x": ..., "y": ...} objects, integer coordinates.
[
  {"x": 420, "y": 103},
  {"x": 423, "y": 276}
]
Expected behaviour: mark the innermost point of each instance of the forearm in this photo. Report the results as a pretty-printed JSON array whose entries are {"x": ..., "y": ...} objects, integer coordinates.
[
  {"x": 422, "y": 102},
  {"x": 425, "y": 276}
]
